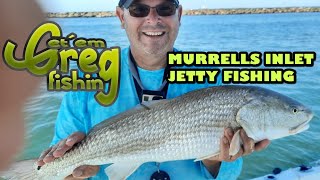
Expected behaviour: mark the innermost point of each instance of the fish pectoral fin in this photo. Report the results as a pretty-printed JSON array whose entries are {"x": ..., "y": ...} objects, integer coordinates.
[
  {"x": 206, "y": 157},
  {"x": 120, "y": 171},
  {"x": 235, "y": 144}
]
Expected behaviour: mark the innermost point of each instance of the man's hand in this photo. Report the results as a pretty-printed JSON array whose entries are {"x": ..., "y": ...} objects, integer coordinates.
[
  {"x": 213, "y": 164},
  {"x": 60, "y": 149}
]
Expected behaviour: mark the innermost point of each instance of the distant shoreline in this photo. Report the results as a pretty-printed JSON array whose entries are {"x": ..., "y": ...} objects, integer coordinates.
[{"x": 196, "y": 12}]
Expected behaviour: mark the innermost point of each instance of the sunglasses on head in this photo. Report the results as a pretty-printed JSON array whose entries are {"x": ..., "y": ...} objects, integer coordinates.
[{"x": 143, "y": 10}]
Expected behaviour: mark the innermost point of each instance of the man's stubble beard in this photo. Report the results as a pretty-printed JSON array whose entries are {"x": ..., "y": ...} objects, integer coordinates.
[{"x": 156, "y": 49}]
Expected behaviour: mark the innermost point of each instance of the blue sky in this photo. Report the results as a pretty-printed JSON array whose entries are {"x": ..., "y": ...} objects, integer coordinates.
[{"x": 109, "y": 5}]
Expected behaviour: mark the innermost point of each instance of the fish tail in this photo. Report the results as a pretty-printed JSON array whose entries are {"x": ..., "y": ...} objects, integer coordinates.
[
  {"x": 22, "y": 176},
  {"x": 23, "y": 170}
]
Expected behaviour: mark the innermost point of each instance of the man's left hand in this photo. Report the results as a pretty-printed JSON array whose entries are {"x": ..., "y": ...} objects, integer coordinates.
[
  {"x": 213, "y": 163},
  {"x": 248, "y": 146}
]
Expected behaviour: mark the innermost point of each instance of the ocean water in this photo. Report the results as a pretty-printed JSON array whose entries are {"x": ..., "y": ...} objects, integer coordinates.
[{"x": 264, "y": 32}]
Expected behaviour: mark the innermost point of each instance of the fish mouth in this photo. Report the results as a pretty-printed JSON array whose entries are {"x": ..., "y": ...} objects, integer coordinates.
[
  {"x": 300, "y": 128},
  {"x": 303, "y": 126}
]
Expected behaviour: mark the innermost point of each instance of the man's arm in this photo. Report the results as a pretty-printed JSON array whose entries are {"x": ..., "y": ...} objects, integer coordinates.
[{"x": 69, "y": 130}]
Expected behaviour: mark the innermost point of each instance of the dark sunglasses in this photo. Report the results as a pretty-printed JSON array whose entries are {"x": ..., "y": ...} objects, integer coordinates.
[{"x": 143, "y": 10}]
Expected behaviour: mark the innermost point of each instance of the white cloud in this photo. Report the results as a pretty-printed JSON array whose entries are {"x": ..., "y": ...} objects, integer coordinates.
[{"x": 109, "y": 5}]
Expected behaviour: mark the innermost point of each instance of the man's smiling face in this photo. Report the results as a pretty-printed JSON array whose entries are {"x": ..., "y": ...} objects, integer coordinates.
[{"x": 153, "y": 34}]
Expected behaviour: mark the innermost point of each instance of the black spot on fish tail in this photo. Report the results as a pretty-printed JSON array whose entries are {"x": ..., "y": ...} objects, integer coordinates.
[{"x": 38, "y": 168}]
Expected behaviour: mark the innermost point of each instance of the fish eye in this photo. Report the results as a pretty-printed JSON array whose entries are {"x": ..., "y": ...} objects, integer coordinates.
[{"x": 294, "y": 110}]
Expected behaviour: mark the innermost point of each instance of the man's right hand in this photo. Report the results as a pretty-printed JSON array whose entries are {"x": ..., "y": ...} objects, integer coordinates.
[{"x": 60, "y": 149}]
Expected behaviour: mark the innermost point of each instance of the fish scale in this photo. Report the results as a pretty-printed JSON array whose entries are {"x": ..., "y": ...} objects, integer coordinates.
[{"x": 187, "y": 127}]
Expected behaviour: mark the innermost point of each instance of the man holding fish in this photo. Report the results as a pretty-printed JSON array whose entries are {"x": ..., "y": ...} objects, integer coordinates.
[{"x": 152, "y": 27}]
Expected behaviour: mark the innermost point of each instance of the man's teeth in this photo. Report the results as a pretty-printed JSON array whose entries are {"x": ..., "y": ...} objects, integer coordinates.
[{"x": 154, "y": 33}]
